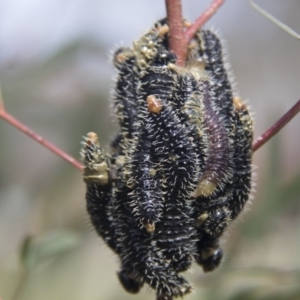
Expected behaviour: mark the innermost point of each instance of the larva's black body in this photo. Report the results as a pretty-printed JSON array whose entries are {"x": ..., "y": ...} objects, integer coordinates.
[{"x": 179, "y": 171}]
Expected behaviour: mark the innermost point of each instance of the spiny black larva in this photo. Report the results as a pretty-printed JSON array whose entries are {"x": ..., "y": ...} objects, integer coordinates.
[{"x": 179, "y": 170}]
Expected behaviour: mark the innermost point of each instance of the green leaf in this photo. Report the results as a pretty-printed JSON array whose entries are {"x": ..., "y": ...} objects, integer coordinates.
[{"x": 33, "y": 252}]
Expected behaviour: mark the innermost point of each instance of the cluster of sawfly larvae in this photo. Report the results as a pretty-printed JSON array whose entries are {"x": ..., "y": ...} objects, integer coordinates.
[{"x": 179, "y": 170}]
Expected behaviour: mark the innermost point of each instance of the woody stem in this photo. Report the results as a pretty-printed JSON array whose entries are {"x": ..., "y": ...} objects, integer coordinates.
[
  {"x": 13, "y": 121},
  {"x": 178, "y": 38},
  {"x": 277, "y": 126},
  {"x": 201, "y": 20}
]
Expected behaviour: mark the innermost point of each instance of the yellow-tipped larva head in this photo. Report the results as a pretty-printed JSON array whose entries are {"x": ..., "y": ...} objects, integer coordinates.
[
  {"x": 150, "y": 227},
  {"x": 205, "y": 188},
  {"x": 201, "y": 219}
]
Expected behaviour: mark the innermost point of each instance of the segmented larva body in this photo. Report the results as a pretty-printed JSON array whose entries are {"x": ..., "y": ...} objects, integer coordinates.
[
  {"x": 242, "y": 157},
  {"x": 99, "y": 188},
  {"x": 179, "y": 170}
]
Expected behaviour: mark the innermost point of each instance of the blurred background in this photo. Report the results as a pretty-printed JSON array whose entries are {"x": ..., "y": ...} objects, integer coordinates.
[{"x": 56, "y": 77}]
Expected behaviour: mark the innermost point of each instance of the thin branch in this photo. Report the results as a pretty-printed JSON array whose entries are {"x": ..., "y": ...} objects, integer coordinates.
[
  {"x": 280, "y": 24},
  {"x": 16, "y": 123},
  {"x": 13, "y": 121},
  {"x": 277, "y": 126},
  {"x": 209, "y": 12},
  {"x": 177, "y": 40}
]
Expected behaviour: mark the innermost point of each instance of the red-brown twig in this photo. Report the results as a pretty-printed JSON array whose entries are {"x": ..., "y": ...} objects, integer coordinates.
[
  {"x": 178, "y": 38},
  {"x": 13, "y": 121},
  {"x": 209, "y": 12},
  {"x": 277, "y": 126}
]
